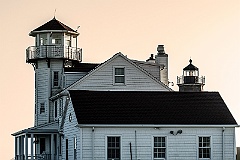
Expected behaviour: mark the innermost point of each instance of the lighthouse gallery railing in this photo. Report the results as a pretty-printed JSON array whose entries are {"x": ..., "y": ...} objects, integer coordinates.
[{"x": 53, "y": 51}]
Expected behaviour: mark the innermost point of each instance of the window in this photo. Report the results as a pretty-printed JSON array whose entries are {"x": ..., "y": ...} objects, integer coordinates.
[
  {"x": 60, "y": 107},
  {"x": 43, "y": 39},
  {"x": 55, "y": 79},
  {"x": 56, "y": 38},
  {"x": 113, "y": 148},
  {"x": 68, "y": 40},
  {"x": 55, "y": 108},
  {"x": 42, "y": 145},
  {"x": 119, "y": 75},
  {"x": 66, "y": 149},
  {"x": 42, "y": 108},
  {"x": 204, "y": 148},
  {"x": 75, "y": 148},
  {"x": 159, "y": 148},
  {"x": 60, "y": 145}
]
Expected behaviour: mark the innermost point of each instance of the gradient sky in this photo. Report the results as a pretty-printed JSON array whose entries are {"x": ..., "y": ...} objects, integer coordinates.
[{"x": 208, "y": 31}]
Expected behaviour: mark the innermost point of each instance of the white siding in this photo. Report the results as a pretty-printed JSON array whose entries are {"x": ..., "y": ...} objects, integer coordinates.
[
  {"x": 182, "y": 146},
  {"x": 42, "y": 91},
  {"x": 70, "y": 131},
  {"x": 70, "y": 78},
  {"x": 103, "y": 78},
  {"x": 153, "y": 69}
]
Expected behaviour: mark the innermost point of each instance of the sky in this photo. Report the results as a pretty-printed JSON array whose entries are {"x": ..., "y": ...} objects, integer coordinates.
[{"x": 207, "y": 31}]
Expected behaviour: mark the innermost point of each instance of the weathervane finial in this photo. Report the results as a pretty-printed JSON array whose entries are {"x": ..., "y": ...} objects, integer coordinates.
[{"x": 55, "y": 13}]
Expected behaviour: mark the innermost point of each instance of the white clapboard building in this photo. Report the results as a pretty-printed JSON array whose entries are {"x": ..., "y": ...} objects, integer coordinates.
[{"x": 121, "y": 109}]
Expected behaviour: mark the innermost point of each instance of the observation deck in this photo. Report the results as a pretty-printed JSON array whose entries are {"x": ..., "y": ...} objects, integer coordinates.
[{"x": 34, "y": 53}]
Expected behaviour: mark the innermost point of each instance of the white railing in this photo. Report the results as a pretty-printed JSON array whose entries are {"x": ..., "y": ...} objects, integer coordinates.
[
  {"x": 185, "y": 79},
  {"x": 53, "y": 51},
  {"x": 35, "y": 157}
]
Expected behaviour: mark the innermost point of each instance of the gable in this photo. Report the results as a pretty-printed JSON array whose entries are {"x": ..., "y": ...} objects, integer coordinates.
[
  {"x": 102, "y": 78},
  {"x": 166, "y": 108}
]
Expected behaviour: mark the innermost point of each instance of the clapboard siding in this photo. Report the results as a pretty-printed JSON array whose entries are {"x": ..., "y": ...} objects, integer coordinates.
[
  {"x": 181, "y": 146},
  {"x": 103, "y": 78},
  {"x": 152, "y": 69},
  {"x": 70, "y": 78},
  {"x": 70, "y": 131},
  {"x": 42, "y": 92}
]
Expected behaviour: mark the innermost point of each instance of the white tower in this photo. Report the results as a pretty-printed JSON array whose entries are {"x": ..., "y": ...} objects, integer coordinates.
[{"x": 55, "y": 47}]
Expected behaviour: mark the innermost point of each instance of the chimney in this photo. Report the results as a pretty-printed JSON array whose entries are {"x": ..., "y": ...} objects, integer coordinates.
[{"x": 162, "y": 60}]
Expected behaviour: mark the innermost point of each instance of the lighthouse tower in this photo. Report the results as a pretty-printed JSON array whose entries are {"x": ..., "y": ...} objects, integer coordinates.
[
  {"x": 190, "y": 81},
  {"x": 55, "y": 47}
]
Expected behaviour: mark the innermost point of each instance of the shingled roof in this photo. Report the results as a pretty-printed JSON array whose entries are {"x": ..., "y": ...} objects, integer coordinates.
[
  {"x": 81, "y": 67},
  {"x": 190, "y": 66},
  {"x": 53, "y": 25},
  {"x": 163, "y": 108}
]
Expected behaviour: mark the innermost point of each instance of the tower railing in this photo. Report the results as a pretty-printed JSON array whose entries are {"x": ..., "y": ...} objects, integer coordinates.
[
  {"x": 193, "y": 80},
  {"x": 53, "y": 51}
]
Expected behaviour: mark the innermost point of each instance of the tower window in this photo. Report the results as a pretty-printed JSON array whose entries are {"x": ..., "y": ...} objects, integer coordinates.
[
  {"x": 56, "y": 38},
  {"x": 68, "y": 40},
  {"x": 42, "y": 108},
  {"x": 119, "y": 75},
  {"x": 43, "y": 39},
  {"x": 55, "y": 79}
]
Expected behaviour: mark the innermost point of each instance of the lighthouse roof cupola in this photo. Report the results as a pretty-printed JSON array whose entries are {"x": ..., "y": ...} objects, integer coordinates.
[
  {"x": 190, "y": 66},
  {"x": 54, "y": 40},
  {"x": 190, "y": 81},
  {"x": 190, "y": 70},
  {"x": 53, "y": 26}
]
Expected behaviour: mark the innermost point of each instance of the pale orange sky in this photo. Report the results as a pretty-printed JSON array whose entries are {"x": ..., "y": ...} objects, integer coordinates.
[{"x": 208, "y": 31}]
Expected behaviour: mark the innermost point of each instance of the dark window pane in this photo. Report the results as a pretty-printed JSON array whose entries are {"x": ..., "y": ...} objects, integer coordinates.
[
  {"x": 119, "y": 71},
  {"x": 119, "y": 79}
]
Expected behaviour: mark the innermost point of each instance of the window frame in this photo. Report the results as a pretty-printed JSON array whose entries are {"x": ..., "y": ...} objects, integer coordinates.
[
  {"x": 54, "y": 80},
  {"x": 119, "y": 75},
  {"x": 166, "y": 146},
  {"x": 210, "y": 147},
  {"x": 75, "y": 147},
  {"x": 120, "y": 146},
  {"x": 60, "y": 107},
  {"x": 55, "y": 103},
  {"x": 42, "y": 108},
  {"x": 66, "y": 149}
]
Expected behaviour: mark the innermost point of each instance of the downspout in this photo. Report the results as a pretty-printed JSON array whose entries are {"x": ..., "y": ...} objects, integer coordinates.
[
  {"x": 135, "y": 144},
  {"x": 92, "y": 143},
  {"x": 223, "y": 143}
]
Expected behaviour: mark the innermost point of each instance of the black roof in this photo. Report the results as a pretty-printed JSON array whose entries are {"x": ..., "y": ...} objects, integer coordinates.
[
  {"x": 190, "y": 66},
  {"x": 145, "y": 107},
  {"x": 53, "y": 24},
  {"x": 81, "y": 67}
]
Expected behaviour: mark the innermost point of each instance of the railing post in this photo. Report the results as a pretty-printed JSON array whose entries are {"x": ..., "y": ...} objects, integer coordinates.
[
  {"x": 31, "y": 146},
  {"x": 26, "y": 146}
]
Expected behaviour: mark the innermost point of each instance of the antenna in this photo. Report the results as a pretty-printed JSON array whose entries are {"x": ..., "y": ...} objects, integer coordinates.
[
  {"x": 77, "y": 28},
  {"x": 55, "y": 12}
]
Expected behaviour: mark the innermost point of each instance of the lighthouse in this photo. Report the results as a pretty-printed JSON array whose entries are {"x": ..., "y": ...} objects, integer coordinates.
[
  {"x": 190, "y": 81},
  {"x": 55, "y": 48}
]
